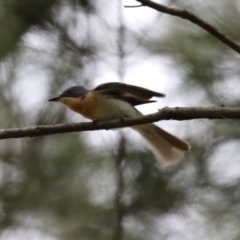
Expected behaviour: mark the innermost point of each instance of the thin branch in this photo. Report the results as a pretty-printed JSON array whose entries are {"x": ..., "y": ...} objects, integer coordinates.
[
  {"x": 194, "y": 19},
  {"x": 178, "y": 113}
]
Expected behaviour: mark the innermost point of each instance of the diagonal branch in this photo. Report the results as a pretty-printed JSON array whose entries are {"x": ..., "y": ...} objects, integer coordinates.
[
  {"x": 194, "y": 19},
  {"x": 178, "y": 113}
]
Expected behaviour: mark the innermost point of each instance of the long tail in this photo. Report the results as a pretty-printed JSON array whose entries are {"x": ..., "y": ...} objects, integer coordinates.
[{"x": 166, "y": 148}]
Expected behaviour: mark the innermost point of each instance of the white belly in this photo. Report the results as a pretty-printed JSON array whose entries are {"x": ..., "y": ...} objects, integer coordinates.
[{"x": 114, "y": 108}]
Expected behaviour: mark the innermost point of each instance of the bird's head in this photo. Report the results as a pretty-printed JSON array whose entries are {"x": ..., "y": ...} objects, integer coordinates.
[
  {"x": 72, "y": 92},
  {"x": 71, "y": 95}
]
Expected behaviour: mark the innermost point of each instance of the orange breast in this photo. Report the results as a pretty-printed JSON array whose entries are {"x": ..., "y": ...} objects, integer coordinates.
[{"x": 86, "y": 106}]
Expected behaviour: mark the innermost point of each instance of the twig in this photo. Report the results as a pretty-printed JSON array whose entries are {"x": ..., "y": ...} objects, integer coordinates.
[
  {"x": 194, "y": 19},
  {"x": 178, "y": 113}
]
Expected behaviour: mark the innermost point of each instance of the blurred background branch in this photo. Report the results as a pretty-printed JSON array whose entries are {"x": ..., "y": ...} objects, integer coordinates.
[
  {"x": 119, "y": 203},
  {"x": 194, "y": 19}
]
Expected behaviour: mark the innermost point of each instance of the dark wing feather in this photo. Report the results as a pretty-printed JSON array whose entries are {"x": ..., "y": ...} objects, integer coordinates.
[
  {"x": 136, "y": 101},
  {"x": 133, "y": 94},
  {"x": 130, "y": 89}
]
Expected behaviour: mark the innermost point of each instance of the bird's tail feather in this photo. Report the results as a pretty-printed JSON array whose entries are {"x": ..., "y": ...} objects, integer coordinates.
[{"x": 166, "y": 148}]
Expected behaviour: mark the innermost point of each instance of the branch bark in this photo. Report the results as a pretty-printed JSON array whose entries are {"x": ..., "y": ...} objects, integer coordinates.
[
  {"x": 177, "y": 113},
  {"x": 194, "y": 19}
]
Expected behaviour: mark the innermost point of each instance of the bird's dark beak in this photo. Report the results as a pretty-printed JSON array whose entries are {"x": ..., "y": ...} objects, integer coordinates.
[{"x": 55, "y": 99}]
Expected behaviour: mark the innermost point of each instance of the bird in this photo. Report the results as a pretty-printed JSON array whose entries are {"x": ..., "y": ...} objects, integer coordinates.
[{"x": 116, "y": 100}]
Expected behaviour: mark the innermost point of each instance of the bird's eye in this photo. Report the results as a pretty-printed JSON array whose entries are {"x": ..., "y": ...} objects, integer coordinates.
[{"x": 69, "y": 92}]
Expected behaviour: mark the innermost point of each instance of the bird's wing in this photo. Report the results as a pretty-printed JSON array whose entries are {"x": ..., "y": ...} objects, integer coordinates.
[{"x": 132, "y": 94}]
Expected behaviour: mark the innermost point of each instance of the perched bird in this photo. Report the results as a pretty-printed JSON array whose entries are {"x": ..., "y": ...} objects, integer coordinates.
[{"x": 117, "y": 100}]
